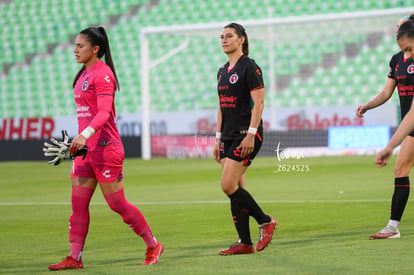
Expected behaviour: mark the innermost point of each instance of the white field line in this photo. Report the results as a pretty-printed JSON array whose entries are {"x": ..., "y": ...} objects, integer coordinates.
[{"x": 23, "y": 203}]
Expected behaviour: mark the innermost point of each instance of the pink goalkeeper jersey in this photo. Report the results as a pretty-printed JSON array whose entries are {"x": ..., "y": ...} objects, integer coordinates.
[{"x": 94, "y": 97}]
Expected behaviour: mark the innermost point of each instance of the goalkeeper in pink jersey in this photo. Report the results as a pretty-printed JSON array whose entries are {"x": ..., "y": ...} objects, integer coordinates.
[{"x": 94, "y": 91}]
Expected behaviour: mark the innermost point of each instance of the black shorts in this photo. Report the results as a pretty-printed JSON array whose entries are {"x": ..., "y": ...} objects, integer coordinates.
[{"x": 228, "y": 149}]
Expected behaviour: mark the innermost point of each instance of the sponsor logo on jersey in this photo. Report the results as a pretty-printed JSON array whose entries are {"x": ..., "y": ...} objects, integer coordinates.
[
  {"x": 233, "y": 78},
  {"x": 237, "y": 152},
  {"x": 85, "y": 85},
  {"x": 410, "y": 69},
  {"x": 258, "y": 72},
  {"x": 107, "y": 174},
  {"x": 107, "y": 79},
  {"x": 228, "y": 101}
]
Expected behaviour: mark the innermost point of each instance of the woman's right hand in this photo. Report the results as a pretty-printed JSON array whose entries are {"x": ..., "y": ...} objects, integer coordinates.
[
  {"x": 77, "y": 143},
  {"x": 361, "y": 110}
]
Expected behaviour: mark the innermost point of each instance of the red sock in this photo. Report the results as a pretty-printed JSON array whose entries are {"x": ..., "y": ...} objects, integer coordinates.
[
  {"x": 79, "y": 220},
  {"x": 131, "y": 216},
  {"x": 76, "y": 251}
]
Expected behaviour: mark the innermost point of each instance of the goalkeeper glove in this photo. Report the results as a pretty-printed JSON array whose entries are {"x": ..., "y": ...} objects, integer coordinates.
[{"x": 59, "y": 150}]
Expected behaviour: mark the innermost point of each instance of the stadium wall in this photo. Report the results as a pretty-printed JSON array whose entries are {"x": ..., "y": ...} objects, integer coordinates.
[
  {"x": 179, "y": 147},
  {"x": 190, "y": 134},
  {"x": 203, "y": 122},
  {"x": 294, "y": 143},
  {"x": 22, "y": 150}
]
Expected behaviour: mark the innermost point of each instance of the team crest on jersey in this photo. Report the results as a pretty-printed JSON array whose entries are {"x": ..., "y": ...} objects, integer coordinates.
[
  {"x": 233, "y": 78},
  {"x": 85, "y": 85},
  {"x": 410, "y": 69}
]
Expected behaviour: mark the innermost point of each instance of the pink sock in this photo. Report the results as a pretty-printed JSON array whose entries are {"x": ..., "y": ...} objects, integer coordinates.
[
  {"x": 76, "y": 251},
  {"x": 131, "y": 216},
  {"x": 79, "y": 220}
]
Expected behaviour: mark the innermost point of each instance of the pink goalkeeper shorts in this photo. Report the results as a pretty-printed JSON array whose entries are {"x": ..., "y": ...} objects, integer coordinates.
[{"x": 104, "y": 166}]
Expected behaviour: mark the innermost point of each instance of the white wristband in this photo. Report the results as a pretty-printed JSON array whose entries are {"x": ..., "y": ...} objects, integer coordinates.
[
  {"x": 252, "y": 130},
  {"x": 218, "y": 135},
  {"x": 88, "y": 132}
]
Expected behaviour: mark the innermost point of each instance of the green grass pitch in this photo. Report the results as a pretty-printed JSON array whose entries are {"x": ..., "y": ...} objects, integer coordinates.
[{"x": 326, "y": 215}]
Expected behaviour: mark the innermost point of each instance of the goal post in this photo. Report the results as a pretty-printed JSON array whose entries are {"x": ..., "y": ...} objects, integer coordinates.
[{"x": 311, "y": 39}]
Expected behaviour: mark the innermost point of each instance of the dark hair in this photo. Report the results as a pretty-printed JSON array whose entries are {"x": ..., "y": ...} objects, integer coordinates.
[
  {"x": 406, "y": 30},
  {"x": 97, "y": 37},
  {"x": 240, "y": 31}
]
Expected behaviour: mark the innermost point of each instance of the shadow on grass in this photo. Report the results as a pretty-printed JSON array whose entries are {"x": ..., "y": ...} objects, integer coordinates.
[{"x": 356, "y": 235}]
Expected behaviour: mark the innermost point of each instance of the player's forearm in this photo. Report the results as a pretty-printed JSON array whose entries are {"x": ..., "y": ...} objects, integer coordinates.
[
  {"x": 103, "y": 114},
  {"x": 100, "y": 119},
  {"x": 378, "y": 100},
  {"x": 383, "y": 96},
  {"x": 218, "y": 127},
  {"x": 257, "y": 113},
  {"x": 406, "y": 126}
]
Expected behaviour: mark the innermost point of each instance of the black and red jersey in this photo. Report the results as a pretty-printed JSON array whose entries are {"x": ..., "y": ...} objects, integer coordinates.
[
  {"x": 234, "y": 88},
  {"x": 402, "y": 71}
]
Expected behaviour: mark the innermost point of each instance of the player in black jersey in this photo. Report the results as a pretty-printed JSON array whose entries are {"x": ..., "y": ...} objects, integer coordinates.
[
  {"x": 239, "y": 136},
  {"x": 400, "y": 75}
]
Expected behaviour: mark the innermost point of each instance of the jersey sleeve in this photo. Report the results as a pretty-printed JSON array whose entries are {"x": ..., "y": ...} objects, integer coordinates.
[
  {"x": 105, "y": 92},
  {"x": 391, "y": 68},
  {"x": 254, "y": 77},
  {"x": 220, "y": 72}
]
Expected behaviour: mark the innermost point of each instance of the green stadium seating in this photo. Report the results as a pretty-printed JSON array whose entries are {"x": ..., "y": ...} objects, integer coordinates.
[
  {"x": 28, "y": 27},
  {"x": 39, "y": 23}
]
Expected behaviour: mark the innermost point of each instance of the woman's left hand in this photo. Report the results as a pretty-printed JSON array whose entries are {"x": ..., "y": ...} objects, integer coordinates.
[
  {"x": 246, "y": 146},
  {"x": 77, "y": 144}
]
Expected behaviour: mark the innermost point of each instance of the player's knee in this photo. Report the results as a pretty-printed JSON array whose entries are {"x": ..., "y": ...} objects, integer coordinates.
[
  {"x": 402, "y": 171},
  {"x": 228, "y": 188},
  {"x": 116, "y": 206},
  {"x": 128, "y": 219},
  {"x": 123, "y": 209}
]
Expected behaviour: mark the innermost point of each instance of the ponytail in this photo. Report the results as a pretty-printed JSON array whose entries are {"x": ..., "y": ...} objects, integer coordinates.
[{"x": 97, "y": 37}]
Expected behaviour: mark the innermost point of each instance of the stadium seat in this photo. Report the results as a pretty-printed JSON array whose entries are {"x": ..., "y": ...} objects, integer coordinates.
[{"x": 43, "y": 23}]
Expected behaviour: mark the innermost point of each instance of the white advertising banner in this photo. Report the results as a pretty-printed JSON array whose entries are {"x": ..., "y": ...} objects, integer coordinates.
[
  {"x": 203, "y": 122},
  {"x": 286, "y": 119},
  {"x": 318, "y": 118}
]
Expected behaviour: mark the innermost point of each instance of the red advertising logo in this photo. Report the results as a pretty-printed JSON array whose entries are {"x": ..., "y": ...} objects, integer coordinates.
[
  {"x": 26, "y": 128},
  {"x": 298, "y": 122}
]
